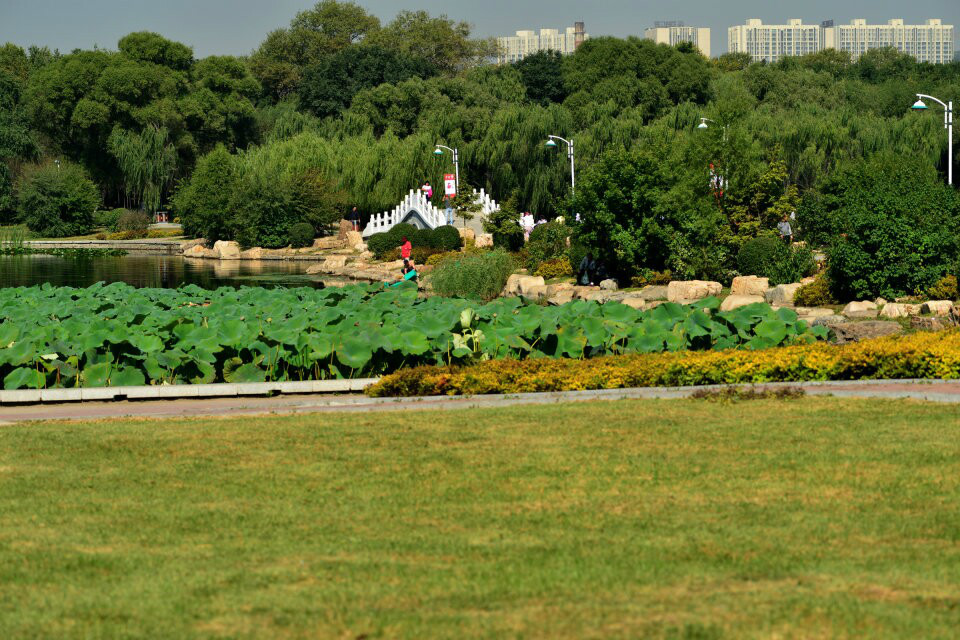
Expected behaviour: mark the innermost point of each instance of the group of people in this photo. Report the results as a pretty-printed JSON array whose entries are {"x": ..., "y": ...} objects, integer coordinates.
[{"x": 528, "y": 224}]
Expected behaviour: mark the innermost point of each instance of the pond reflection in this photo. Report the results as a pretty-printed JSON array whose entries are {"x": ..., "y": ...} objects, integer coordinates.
[{"x": 152, "y": 271}]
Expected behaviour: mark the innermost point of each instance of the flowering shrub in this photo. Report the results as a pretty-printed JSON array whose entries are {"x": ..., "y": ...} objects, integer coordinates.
[
  {"x": 921, "y": 355},
  {"x": 555, "y": 268}
]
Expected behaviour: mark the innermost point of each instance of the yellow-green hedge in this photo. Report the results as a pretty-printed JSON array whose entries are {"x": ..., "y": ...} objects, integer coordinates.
[{"x": 921, "y": 355}]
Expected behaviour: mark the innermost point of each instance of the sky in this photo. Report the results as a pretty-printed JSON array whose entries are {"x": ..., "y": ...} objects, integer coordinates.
[{"x": 236, "y": 27}]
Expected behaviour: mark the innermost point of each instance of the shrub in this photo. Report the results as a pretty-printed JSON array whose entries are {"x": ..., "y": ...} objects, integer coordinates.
[
  {"x": 944, "y": 289},
  {"x": 920, "y": 355},
  {"x": 422, "y": 255},
  {"x": 204, "y": 202},
  {"x": 480, "y": 276},
  {"x": 901, "y": 229},
  {"x": 815, "y": 294},
  {"x": 57, "y": 202},
  {"x": 301, "y": 235},
  {"x": 383, "y": 246},
  {"x": 108, "y": 219},
  {"x": 127, "y": 235},
  {"x": 758, "y": 255},
  {"x": 649, "y": 276},
  {"x": 446, "y": 238},
  {"x": 771, "y": 258},
  {"x": 137, "y": 221},
  {"x": 163, "y": 233},
  {"x": 556, "y": 268},
  {"x": 547, "y": 242},
  {"x": 437, "y": 258}
]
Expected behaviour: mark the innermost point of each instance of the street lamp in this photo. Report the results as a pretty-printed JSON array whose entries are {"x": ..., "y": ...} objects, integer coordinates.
[
  {"x": 703, "y": 125},
  {"x": 919, "y": 105},
  {"x": 456, "y": 160},
  {"x": 552, "y": 144}
]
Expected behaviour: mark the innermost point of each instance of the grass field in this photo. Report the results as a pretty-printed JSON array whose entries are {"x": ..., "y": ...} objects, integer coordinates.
[{"x": 805, "y": 518}]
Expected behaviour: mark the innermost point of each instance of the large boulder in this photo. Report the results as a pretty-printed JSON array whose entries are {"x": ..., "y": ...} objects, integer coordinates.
[
  {"x": 200, "y": 251},
  {"x": 899, "y": 310},
  {"x": 254, "y": 253},
  {"x": 937, "y": 307},
  {"x": 227, "y": 250},
  {"x": 484, "y": 240},
  {"x": 512, "y": 288},
  {"x": 536, "y": 292},
  {"x": 749, "y": 286},
  {"x": 583, "y": 293},
  {"x": 345, "y": 227},
  {"x": 692, "y": 290},
  {"x": 813, "y": 312},
  {"x": 782, "y": 294},
  {"x": 857, "y": 331},
  {"x": 467, "y": 234},
  {"x": 609, "y": 285},
  {"x": 526, "y": 284},
  {"x": 354, "y": 240},
  {"x": 735, "y": 302},
  {"x": 328, "y": 243},
  {"x": 861, "y": 309},
  {"x": 560, "y": 296},
  {"x": 635, "y": 302},
  {"x": 654, "y": 292}
]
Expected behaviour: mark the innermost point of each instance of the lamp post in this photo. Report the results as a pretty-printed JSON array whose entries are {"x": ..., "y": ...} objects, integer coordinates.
[
  {"x": 947, "y": 124},
  {"x": 703, "y": 125},
  {"x": 552, "y": 144},
  {"x": 456, "y": 160}
]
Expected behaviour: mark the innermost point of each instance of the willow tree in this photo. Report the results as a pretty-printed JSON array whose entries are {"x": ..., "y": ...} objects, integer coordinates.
[{"x": 148, "y": 162}]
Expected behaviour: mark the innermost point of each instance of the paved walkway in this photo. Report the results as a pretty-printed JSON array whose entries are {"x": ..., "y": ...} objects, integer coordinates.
[{"x": 933, "y": 391}]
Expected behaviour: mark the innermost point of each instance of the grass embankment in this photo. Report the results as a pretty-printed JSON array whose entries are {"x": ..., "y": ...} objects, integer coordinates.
[{"x": 672, "y": 519}]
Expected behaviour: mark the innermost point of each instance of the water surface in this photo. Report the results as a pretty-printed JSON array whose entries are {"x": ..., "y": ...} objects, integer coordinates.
[{"x": 155, "y": 271}]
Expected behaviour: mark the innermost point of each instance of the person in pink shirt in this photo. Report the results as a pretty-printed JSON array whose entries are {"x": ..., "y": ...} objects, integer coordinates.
[
  {"x": 427, "y": 189},
  {"x": 405, "y": 249}
]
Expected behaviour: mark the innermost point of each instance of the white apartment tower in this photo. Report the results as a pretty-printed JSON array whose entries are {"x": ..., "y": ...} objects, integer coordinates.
[
  {"x": 673, "y": 33},
  {"x": 524, "y": 43},
  {"x": 929, "y": 42},
  {"x": 770, "y": 42}
]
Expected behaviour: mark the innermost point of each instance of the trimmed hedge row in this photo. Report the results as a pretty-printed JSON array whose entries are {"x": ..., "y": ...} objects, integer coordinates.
[{"x": 921, "y": 355}]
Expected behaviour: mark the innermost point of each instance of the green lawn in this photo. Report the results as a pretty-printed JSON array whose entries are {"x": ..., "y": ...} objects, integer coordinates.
[{"x": 809, "y": 518}]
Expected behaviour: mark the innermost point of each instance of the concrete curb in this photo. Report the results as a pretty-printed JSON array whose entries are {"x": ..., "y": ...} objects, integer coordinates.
[{"x": 181, "y": 391}]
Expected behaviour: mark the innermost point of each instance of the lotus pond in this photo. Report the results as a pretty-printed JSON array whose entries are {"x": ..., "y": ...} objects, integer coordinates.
[{"x": 118, "y": 335}]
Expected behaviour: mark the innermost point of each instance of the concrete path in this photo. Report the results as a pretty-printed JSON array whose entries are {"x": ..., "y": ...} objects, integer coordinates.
[{"x": 934, "y": 391}]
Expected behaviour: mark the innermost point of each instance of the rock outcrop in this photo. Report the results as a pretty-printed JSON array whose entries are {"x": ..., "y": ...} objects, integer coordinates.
[
  {"x": 749, "y": 286},
  {"x": 686, "y": 291}
]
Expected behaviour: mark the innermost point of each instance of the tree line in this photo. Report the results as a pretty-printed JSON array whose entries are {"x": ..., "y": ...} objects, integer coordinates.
[{"x": 338, "y": 109}]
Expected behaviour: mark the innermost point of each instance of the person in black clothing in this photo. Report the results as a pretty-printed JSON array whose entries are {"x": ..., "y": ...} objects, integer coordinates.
[
  {"x": 354, "y": 217},
  {"x": 587, "y": 270}
]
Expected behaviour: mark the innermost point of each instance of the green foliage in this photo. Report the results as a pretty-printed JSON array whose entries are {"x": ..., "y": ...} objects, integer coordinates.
[
  {"x": 136, "y": 221},
  {"x": 900, "y": 230},
  {"x": 542, "y": 76},
  {"x": 301, "y": 235},
  {"x": 57, "y": 201},
  {"x": 147, "y": 161},
  {"x": 145, "y": 46},
  {"x": 547, "y": 242},
  {"x": 444, "y": 43},
  {"x": 446, "y": 238},
  {"x": 944, "y": 289},
  {"x": 473, "y": 276},
  {"x": 383, "y": 246},
  {"x": 328, "y": 87},
  {"x": 204, "y": 202},
  {"x": 815, "y": 294},
  {"x": 758, "y": 256},
  {"x": 770, "y": 257},
  {"x": 108, "y": 219},
  {"x": 554, "y": 268}
]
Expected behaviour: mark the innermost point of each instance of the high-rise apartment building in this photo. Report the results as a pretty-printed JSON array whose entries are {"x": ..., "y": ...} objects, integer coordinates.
[
  {"x": 673, "y": 33},
  {"x": 524, "y": 43},
  {"x": 770, "y": 42},
  {"x": 928, "y": 42}
]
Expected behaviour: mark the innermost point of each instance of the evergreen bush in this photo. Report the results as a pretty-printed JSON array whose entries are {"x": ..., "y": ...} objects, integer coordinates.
[
  {"x": 446, "y": 238},
  {"x": 301, "y": 235},
  {"x": 476, "y": 276}
]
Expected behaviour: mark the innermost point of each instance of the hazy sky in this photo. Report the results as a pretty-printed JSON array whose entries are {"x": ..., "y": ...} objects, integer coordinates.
[{"x": 238, "y": 26}]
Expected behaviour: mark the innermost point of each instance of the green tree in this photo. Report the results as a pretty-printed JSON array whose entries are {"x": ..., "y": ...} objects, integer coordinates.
[
  {"x": 148, "y": 162},
  {"x": 204, "y": 202},
  {"x": 444, "y": 43},
  {"x": 146, "y": 46},
  {"x": 57, "y": 201},
  {"x": 542, "y": 75},
  {"x": 313, "y": 34},
  {"x": 329, "y": 86}
]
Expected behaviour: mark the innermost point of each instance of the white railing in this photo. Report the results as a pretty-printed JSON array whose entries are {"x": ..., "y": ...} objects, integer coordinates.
[{"x": 417, "y": 201}]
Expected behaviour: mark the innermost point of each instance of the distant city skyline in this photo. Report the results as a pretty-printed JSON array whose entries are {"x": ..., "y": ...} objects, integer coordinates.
[{"x": 236, "y": 27}]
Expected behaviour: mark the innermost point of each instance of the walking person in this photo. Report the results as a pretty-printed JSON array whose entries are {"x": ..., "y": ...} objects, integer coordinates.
[
  {"x": 427, "y": 189},
  {"x": 786, "y": 231},
  {"x": 355, "y": 218},
  {"x": 448, "y": 200}
]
